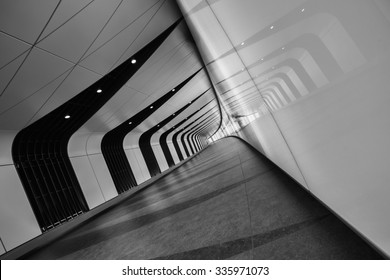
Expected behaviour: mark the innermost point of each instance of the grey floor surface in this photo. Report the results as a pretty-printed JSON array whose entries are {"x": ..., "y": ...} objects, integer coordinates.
[{"x": 228, "y": 202}]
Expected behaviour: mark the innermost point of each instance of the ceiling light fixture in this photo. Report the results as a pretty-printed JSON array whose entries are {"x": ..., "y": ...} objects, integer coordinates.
[
  {"x": 243, "y": 43},
  {"x": 283, "y": 48},
  {"x": 99, "y": 90},
  {"x": 151, "y": 107},
  {"x": 133, "y": 61},
  {"x": 67, "y": 117},
  {"x": 303, "y": 10},
  {"x": 173, "y": 89},
  {"x": 272, "y": 27},
  {"x": 130, "y": 122}
]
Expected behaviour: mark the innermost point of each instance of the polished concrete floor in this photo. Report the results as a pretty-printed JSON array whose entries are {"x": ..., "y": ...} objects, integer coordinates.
[{"x": 228, "y": 202}]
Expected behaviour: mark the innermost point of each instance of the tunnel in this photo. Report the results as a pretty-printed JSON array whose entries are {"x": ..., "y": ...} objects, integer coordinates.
[{"x": 194, "y": 129}]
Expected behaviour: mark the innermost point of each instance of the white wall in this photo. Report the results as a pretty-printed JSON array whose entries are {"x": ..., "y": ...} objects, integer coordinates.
[
  {"x": 335, "y": 139},
  {"x": 91, "y": 169},
  {"x": 17, "y": 220}
]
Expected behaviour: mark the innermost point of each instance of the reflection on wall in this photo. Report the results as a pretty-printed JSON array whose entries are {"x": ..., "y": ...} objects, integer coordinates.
[{"x": 305, "y": 82}]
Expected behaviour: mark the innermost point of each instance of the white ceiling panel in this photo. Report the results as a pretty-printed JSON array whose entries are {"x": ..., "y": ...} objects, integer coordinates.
[
  {"x": 65, "y": 12},
  {"x": 39, "y": 69},
  {"x": 161, "y": 19},
  {"x": 7, "y": 72},
  {"x": 10, "y": 48},
  {"x": 127, "y": 15},
  {"x": 23, "y": 112},
  {"x": 25, "y": 19},
  {"x": 164, "y": 17},
  {"x": 78, "y": 80},
  {"x": 74, "y": 38},
  {"x": 103, "y": 59}
]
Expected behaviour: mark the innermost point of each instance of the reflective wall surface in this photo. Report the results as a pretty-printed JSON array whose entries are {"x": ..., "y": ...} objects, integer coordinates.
[{"x": 306, "y": 83}]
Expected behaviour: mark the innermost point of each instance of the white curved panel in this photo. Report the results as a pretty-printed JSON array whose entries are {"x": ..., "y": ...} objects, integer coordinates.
[
  {"x": 181, "y": 148},
  {"x": 103, "y": 176},
  {"x": 135, "y": 168},
  {"x": 172, "y": 150},
  {"x": 142, "y": 164},
  {"x": 162, "y": 163},
  {"x": 88, "y": 182},
  {"x": 73, "y": 38},
  {"x": 94, "y": 143},
  {"x": 77, "y": 145},
  {"x": 6, "y": 137}
]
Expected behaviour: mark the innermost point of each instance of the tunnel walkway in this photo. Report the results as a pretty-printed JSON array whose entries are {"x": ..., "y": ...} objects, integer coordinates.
[{"x": 228, "y": 202}]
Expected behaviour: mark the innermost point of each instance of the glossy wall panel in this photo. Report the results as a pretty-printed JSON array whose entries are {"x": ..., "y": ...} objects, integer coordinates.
[
  {"x": 265, "y": 136},
  {"x": 18, "y": 223},
  {"x": 322, "y": 69}
]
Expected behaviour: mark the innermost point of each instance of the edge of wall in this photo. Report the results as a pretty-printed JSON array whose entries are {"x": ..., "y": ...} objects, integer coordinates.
[{"x": 46, "y": 238}]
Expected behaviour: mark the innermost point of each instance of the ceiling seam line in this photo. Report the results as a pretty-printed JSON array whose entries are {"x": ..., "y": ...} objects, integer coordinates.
[{"x": 20, "y": 66}]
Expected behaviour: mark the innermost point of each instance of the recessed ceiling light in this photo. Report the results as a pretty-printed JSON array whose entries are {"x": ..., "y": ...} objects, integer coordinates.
[
  {"x": 173, "y": 114},
  {"x": 158, "y": 125},
  {"x": 67, "y": 117},
  {"x": 133, "y": 61},
  {"x": 151, "y": 107},
  {"x": 243, "y": 43},
  {"x": 173, "y": 89},
  {"x": 130, "y": 122},
  {"x": 272, "y": 27},
  {"x": 99, "y": 90},
  {"x": 303, "y": 10},
  {"x": 262, "y": 59}
]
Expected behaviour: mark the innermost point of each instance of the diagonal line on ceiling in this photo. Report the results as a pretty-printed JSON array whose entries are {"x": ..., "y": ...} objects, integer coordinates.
[
  {"x": 73, "y": 67},
  {"x": 138, "y": 35},
  {"x": 65, "y": 22},
  {"x": 120, "y": 31},
  {"x": 29, "y": 51}
]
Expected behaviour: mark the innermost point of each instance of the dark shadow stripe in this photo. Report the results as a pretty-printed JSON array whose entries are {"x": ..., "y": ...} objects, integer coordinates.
[{"x": 231, "y": 248}]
